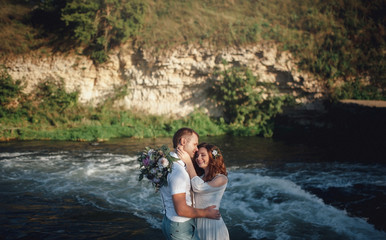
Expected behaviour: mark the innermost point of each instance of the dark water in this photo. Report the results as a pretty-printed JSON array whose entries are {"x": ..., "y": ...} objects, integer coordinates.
[{"x": 277, "y": 190}]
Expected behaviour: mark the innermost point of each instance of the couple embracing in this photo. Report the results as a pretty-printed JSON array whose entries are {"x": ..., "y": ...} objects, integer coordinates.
[{"x": 200, "y": 168}]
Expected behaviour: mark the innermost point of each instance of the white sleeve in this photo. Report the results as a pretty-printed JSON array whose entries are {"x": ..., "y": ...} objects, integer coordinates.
[{"x": 199, "y": 185}]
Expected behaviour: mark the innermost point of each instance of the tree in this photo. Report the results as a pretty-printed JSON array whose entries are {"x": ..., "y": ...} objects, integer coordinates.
[{"x": 102, "y": 24}]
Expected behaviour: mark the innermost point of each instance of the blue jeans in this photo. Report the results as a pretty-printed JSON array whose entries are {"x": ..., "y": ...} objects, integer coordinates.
[{"x": 179, "y": 231}]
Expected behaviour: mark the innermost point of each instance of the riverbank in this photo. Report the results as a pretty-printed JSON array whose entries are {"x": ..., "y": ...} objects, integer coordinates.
[
  {"x": 348, "y": 120},
  {"x": 355, "y": 127},
  {"x": 365, "y": 103}
]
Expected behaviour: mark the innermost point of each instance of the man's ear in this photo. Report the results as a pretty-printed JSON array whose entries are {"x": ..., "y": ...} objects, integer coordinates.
[{"x": 183, "y": 141}]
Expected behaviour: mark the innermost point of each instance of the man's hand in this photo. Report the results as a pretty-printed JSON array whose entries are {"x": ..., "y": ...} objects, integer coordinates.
[
  {"x": 184, "y": 210},
  {"x": 212, "y": 213}
]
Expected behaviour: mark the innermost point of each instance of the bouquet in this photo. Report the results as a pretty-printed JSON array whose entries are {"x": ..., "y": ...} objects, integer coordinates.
[{"x": 155, "y": 164}]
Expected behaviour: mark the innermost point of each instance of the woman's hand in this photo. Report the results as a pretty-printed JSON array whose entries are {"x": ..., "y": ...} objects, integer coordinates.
[{"x": 183, "y": 155}]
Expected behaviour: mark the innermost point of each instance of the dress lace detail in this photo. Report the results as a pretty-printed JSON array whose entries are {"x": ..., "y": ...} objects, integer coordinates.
[{"x": 204, "y": 196}]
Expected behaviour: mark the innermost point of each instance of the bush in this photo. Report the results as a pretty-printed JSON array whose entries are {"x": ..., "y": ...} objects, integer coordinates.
[
  {"x": 247, "y": 103},
  {"x": 10, "y": 90},
  {"x": 52, "y": 96},
  {"x": 357, "y": 90}
]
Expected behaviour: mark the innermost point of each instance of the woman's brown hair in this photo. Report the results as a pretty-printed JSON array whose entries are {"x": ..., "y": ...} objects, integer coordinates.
[{"x": 216, "y": 162}]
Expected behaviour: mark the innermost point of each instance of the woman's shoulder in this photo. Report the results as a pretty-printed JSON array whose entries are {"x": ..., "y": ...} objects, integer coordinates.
[{"x": 219, "y": 180}]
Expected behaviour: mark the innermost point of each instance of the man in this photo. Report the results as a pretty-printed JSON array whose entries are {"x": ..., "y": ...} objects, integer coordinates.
[{"x": 178, "y": 222}]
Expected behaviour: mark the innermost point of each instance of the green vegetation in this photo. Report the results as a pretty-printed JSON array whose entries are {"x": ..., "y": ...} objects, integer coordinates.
[
  {"x": 95, "y": 26},
  {"x": 9, "y": 91},
  {"x": 357, "y": 90},
  {"x": 333, "y": 39},
  {"x": 52, "y": 113},
  {"x": 100, "y": 25},
  {"x": 248, "y": 104},
  {"x": 16, "y": 34}
]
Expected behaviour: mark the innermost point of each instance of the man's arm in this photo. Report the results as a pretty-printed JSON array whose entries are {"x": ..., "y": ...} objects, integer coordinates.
[{"x": 184, "y": 210}]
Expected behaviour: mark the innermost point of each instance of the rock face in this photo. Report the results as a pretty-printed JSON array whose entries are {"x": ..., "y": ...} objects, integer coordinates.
[{"x": 173, "y": 84}]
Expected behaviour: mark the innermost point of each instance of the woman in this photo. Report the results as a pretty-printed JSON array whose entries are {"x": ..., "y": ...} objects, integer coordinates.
[{"x": 208, "y": 188}]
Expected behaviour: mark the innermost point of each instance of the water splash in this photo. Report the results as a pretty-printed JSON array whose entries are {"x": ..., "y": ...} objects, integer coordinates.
[
  {"x": 264, "y": 203},
  {"x": 273, "y": 208}
]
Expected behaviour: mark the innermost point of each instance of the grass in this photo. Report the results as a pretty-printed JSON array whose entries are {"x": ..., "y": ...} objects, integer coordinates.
[
  {"x": 209, "y": 23},
  {"x": 17, "y": 35},
  {"x": 333, "y": 39},
  {"x": 95, "y": 125}
]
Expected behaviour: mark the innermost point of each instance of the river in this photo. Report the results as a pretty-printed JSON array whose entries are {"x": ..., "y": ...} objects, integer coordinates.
[{"x": 277, "y": 190}]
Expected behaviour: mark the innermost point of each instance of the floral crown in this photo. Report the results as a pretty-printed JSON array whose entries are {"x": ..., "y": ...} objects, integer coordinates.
[{"x": 215, "y": 154}]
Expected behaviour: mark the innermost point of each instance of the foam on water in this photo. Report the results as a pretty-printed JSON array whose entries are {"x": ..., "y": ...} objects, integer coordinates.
[
  {"x": 333, "y": 174},
  {"x": 264, "y": 203},
  {"x": 273, "y": 208}
]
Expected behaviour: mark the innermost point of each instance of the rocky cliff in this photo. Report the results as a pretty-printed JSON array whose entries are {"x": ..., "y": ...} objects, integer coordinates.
[{"x": 172, "y": 84}]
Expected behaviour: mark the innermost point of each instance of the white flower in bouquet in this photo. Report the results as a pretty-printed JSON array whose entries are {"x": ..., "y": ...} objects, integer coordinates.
[
  {"x": 163, "y": 162},
  {"x": 150, "y": 152}
]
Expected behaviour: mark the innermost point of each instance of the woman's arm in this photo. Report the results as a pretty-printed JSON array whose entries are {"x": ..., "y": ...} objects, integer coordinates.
[
  {"x": 218, "y": 181},
  {"x": 184, "y": 156},
  {"x": 198, "y": 185}
]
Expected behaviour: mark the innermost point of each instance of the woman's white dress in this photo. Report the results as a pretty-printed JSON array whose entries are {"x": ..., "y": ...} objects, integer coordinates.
[{"x": 205, "y": 196}]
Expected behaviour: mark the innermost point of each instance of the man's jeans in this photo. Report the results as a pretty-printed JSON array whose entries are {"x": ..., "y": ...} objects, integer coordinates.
[{"x": 179, "y": 231}]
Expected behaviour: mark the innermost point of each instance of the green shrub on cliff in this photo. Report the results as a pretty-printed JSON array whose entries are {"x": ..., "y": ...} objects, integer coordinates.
[
  {"x": 249, "y": 105},
  {"x": 52, "y": 96},
  {"x": 10, "y": 91},
  {"x": 358, "y": 90},
  {"x": 48, "y": 104}
]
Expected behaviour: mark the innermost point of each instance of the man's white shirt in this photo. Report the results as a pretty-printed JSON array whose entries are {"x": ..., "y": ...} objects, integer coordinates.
[{"x": 178, "y": 182}]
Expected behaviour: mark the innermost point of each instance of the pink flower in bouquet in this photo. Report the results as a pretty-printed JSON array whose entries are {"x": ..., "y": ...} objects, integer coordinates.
[{"x": 163, "y": 162}]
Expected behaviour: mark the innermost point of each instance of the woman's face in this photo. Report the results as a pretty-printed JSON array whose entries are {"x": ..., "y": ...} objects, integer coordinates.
[{"x": 202, "y": 159}]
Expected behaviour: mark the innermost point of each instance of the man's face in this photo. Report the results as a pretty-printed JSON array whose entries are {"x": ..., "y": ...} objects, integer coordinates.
[{"x": 191, "y": 145}]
